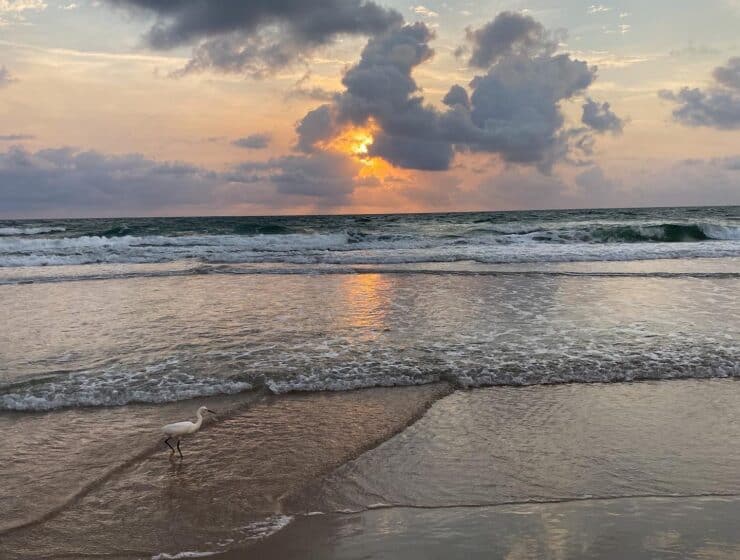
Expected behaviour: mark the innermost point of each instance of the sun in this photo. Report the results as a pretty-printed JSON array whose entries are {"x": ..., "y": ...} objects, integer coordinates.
[
  {"x": 361, "y": 142},
  {"x": 356, "y": 141}
]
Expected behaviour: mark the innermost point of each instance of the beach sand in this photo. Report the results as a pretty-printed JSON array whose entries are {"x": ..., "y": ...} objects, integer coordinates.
[
  {"x": 134, "y": 502},
  {"x": 636, "y": 528},
  {"x": 629, "y": 470},
  {"x": 641, "y": 470}
]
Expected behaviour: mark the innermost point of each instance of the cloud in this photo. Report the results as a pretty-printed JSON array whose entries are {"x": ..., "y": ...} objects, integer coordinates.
[
  {"x": 457, "y": 95},
  {"x": 729, "y": 76},
  {"x": 5, "y": 77},
  {"x": 510, "y": 33},
  {"x": 15, "y": 137},
  {"x": 326, "y": 176},
  {"x": 695, "y": 183},
  {"x": 600, "y": 117},
  {"x": 254, "y": 141},
  {"x": 512, "y": 110},
  {"x": 594, "y": 9},
  {"x": 317, "y": 126},
  {"x": 19, "y": 6},
  {"x": 14, "y": 11},
  {"x": 699, "y": 183},
  {"x": 717, "y": 106},
  {"x": 71, "y": 182},
  {"x": 424, "y": 11},
  {"x": 301, "y": 90},
  {"x": 257, "y": 36},
  {"x": 694, "y": 50}
]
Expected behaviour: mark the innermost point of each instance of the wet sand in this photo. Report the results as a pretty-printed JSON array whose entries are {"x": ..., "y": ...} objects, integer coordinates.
[
  {"x": 641, "y": 470},
  {"x": 627, "y": 470},
  {"x": 228, "y": 489},
  {"x": 634, "y": 528}
]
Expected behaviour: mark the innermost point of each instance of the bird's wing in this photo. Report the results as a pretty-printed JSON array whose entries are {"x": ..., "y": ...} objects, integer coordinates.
[{"x": 177, "y": 427}]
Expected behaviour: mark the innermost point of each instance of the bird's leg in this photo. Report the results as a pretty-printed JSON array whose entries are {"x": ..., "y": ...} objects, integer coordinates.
[
  {"x": 167, "y": 441},
  {"x": 178, "y": 449}
]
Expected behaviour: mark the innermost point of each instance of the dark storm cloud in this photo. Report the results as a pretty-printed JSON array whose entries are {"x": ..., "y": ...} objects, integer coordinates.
[
  {"x": 600, "y": 117},
  {"x": 257, "y": 35},
  {"x": 380, "y": 87},
  {"x": 717, "y": 106},
  {"x": 512, "y": 110},
  {"x": 516, "y": 107},
  {"x": 457, "y": 95},
  {"x": 508, "y": 34},
  {"x": 254, "y": 141}
]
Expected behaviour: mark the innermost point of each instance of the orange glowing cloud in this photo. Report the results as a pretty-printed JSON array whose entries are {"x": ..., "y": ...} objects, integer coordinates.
[{"x": 355, "y": 141}]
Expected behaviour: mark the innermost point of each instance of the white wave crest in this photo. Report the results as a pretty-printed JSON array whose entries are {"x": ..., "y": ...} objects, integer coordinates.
[
  {"x": 114, "y": 388},
  {"x": 339, "y": 249},
  {"x": 8, "y": 231},
  {"x": 715, "y": 231}
]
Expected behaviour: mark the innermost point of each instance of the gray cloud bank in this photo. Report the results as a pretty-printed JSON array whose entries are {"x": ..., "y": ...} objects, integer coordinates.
[
  {"x": 258, "y": 141},
  {"x": 69, "y": 182},
  {"x": 717, "y": 106},
  {"x": 512, "y": 110},
  {"x": 256, "y": 36}
]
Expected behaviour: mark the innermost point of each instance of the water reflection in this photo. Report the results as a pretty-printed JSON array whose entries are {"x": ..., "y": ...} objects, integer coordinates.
[{"x": 638, "y": 529}]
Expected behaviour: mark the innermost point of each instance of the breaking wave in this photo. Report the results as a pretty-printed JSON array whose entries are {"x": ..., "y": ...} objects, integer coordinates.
[
  {"x": 113, "y": 389},
  {"x": 117, "y": 389},
  {"x": 8, "y": 231},
  {"x": 495, "y": 244}
]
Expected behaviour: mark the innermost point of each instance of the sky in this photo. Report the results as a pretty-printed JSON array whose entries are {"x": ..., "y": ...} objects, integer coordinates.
[{"x": 257, "y": 107}]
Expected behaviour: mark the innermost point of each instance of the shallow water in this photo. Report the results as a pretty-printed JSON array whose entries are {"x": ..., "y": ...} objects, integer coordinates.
[
  {"x": 112, "y": 342},
  {"x": 130, "y": 499},
  {"x": 643, "y": 470},
  {"x": 551, "y": 443},
  {"x": 638, "y": 529}
]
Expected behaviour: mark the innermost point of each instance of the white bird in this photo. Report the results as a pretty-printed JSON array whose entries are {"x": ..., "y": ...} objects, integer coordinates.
[{"x": 180, "y": 429}]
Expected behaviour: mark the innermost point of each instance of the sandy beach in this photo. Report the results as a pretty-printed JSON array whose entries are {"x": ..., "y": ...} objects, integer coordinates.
[
  {"x": 517, "y": 473},
  {"x": 229, "y": 486},
  {"x": 499, "y": 472}
]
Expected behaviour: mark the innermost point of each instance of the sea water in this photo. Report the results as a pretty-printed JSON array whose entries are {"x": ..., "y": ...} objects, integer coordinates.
[{"x": 117, "y": 311}]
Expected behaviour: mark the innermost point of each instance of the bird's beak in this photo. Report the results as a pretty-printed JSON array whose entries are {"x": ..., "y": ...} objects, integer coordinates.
[{"x": 209, "y": 410}]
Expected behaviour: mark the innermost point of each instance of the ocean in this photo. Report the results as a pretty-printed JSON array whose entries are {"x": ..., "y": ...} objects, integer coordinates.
[
  {"x": 187, "y": 307},
  {"x": 111, "y": 327}
]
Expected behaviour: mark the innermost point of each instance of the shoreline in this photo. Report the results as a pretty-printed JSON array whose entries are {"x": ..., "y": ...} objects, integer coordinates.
[
  {"x": 485, "y": 472},
  {"x": 304, "y": 451},
  {"x": 626, "y": 527},
  {"x": 240, "y": 470}
]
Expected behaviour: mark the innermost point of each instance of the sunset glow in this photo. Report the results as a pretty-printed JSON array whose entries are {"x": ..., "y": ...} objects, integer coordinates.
[
  {"x": 356, "y": 142},
  {"x": 134, "y": 108}
]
